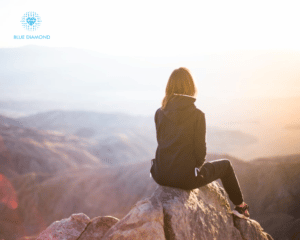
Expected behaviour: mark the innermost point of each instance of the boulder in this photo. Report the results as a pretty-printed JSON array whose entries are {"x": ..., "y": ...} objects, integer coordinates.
[
  {"x": 144, "y": 221},
  {"x": 66, "y": 229},
  {"x": 202, "y": 213},
  {"x": 169, "y": 214}
]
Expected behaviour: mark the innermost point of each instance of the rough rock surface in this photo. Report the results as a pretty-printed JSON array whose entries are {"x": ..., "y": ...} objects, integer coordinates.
[
  {"x": 66, "y": 229},
  {"x": 250, "y": 229},
  {"x": 144, "y": 221},
  {"x": 203, "y": 213},
  {"x": 98, "y": 227},
  {"x": 174, "y": 214},
  {"x": 199, "y": 214}
]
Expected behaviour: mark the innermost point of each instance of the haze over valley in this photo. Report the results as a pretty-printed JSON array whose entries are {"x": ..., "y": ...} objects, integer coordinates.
[{"x": 251, "y": 95}]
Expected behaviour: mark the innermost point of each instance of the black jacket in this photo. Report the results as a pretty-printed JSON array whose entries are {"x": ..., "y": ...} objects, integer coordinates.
[{"x": 180, "y": 132}]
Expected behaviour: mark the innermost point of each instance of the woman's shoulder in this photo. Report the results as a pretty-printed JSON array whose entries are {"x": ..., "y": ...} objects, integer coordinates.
[
  {"x": 200, "y": 112},
  {"x": 158, "y": 111}
]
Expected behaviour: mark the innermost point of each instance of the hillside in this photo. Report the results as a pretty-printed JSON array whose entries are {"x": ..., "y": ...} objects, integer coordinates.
[
  {"x": 127, "y": 137},
  {"x": 25, "y": 150},
  {"x": 55, "y": 174},
  {"x": 273, "y": 188},
  {"x": 113, "y": 191},
  {"x": 114, "y": 136}
]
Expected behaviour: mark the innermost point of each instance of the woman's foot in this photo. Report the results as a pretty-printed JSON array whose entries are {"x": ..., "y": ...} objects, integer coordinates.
[{"x": 241, "y": 211}]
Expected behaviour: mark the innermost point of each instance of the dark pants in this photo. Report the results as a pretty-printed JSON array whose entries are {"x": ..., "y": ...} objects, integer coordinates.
[{"x": 221, "y": 168}]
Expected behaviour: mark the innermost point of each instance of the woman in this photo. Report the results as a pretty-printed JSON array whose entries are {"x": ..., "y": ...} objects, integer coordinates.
[{"x": 180, "y": 156}]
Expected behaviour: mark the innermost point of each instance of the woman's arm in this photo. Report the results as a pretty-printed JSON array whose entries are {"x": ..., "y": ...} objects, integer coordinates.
[
  {"x": 200, "y": 143},
  {"x": 157, "y": 117}
]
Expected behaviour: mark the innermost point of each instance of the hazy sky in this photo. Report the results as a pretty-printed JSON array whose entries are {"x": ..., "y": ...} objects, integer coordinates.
[
  {"x": 163, "y": 29},
  {"x": 156, "y": 28}
]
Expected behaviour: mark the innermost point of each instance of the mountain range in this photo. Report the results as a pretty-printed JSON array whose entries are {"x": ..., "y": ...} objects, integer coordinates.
[{"x": 55, "y": 174}]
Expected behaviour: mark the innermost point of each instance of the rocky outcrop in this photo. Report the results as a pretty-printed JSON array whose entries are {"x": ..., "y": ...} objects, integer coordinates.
[
  {"x": 144, "y": 221},
  {"x": 97, "y": 227},
  {"x": 170, "y": 213},
  {"x": 78, "y": 227},
  {"x": 250, "y": 229},
  {"x": 68, "y": 229}
]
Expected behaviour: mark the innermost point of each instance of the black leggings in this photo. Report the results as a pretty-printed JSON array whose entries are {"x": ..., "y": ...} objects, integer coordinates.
[{"x": 222, "y": 169}]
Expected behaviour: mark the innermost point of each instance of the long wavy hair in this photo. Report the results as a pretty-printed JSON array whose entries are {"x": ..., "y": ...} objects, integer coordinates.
[{"x": 180, "y": 82}]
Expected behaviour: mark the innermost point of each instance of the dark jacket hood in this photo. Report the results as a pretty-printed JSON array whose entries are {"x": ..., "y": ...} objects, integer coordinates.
[{"x": 180, "y": 108}]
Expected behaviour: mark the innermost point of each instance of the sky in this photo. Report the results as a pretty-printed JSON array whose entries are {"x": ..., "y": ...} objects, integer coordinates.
[
  {"x": 156, "y": 28},
  {"x": 171, "y": 33}
]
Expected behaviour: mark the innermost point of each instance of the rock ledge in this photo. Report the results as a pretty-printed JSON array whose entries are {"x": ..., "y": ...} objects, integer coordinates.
[{"x": 171, "y": 214}]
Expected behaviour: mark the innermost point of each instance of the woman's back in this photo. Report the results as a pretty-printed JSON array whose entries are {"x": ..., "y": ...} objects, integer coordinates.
[{"x": 180, "y": 130}]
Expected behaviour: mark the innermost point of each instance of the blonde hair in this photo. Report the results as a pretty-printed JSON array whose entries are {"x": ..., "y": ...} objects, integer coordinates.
[{"x": 180, "y": 82}]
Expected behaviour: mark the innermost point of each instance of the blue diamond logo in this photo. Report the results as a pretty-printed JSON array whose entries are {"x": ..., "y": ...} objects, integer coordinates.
[{"x": 31, "y": 20}]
